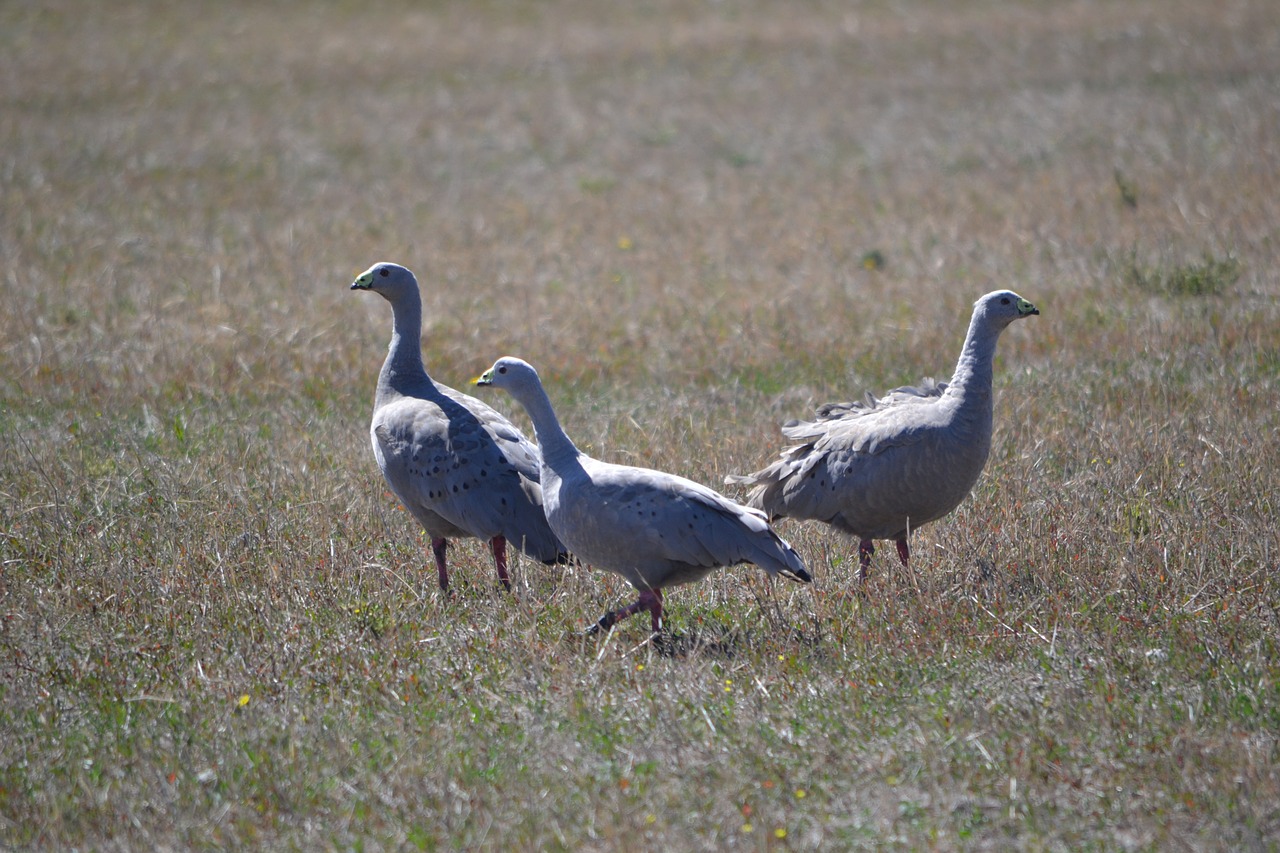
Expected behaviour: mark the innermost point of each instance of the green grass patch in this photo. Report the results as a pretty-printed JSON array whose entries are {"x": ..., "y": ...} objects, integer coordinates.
[{"x": 1207, "y": 277}]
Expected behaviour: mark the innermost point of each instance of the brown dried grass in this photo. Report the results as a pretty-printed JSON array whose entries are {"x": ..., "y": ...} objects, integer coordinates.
[{"x": 666, "y": 207}]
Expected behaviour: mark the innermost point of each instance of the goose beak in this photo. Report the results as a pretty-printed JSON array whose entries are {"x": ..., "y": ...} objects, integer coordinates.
[
  {"x": 483, "y": 379},
  {"x": 362, "y": 283},
  {"x": 1025, "y": 308}
]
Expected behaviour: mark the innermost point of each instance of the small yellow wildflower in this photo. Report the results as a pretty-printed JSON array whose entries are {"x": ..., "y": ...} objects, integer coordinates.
[
  {"x": 625, "y": 244},
  {"x": 800, "y": 793},
  {"x": 746, "y": 827},
  {"x": 244, "y": 700},
  {"x": 780, "y": 832}
]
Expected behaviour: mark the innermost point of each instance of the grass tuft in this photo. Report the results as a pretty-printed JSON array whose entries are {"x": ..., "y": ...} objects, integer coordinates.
[{"x": 1208, "y": 277}]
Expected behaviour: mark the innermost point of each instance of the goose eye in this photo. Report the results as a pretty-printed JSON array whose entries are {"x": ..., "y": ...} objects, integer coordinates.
[
  {"x": 1004, "y": 301},
  {"x": 502, "y": 370},
  {"x": 384, "y": 272}
]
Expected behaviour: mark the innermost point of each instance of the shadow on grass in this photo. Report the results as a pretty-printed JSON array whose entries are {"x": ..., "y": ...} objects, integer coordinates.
[
  {"x": 713, "y": 641},
  {"x": 706, "y": 641}
]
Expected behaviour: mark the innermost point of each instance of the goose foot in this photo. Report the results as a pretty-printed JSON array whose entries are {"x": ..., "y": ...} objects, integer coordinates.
[{"x": 650, "y": 599}]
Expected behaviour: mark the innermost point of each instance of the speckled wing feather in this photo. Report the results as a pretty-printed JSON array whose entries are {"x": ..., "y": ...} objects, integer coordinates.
[
  {"x": 463, "y": 463},
  {"x": 672, "y": 530}
]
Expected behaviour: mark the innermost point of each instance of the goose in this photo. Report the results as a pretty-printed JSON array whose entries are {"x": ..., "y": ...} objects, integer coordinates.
[
  {"x": 459, "y": 467},
  {"x": 882, "y": 468},
  {"x": 655, "y": 529}
]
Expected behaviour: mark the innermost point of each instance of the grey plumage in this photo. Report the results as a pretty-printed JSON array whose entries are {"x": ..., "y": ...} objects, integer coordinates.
[
  {"x": 460, "y": 468},
  {"x": 880, "y": 468},
  {"x": 652, "y": 528}
]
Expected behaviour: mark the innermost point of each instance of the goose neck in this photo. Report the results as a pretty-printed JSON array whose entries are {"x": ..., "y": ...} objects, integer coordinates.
[
  {"x": 553, "y": 443},
  {"x": 971, "y": 381},
  {"x": 403, "y": 371}
]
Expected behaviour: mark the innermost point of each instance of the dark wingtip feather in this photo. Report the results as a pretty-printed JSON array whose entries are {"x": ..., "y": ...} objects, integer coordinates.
[{"x": 798, "y": 575}]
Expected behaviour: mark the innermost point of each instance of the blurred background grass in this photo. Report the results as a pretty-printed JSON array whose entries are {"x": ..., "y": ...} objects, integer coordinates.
[{"x": 698, "y": 220}]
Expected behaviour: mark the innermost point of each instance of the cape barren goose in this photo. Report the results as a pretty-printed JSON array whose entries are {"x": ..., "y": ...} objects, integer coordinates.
[
  {"x": 460, "y": 468},
  {"x": 654, "y": 529},
  {"x": 882, "y": 468}
]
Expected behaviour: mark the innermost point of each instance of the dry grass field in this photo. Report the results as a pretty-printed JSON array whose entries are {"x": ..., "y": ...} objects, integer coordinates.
[{"x": 699, "y": 219}]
